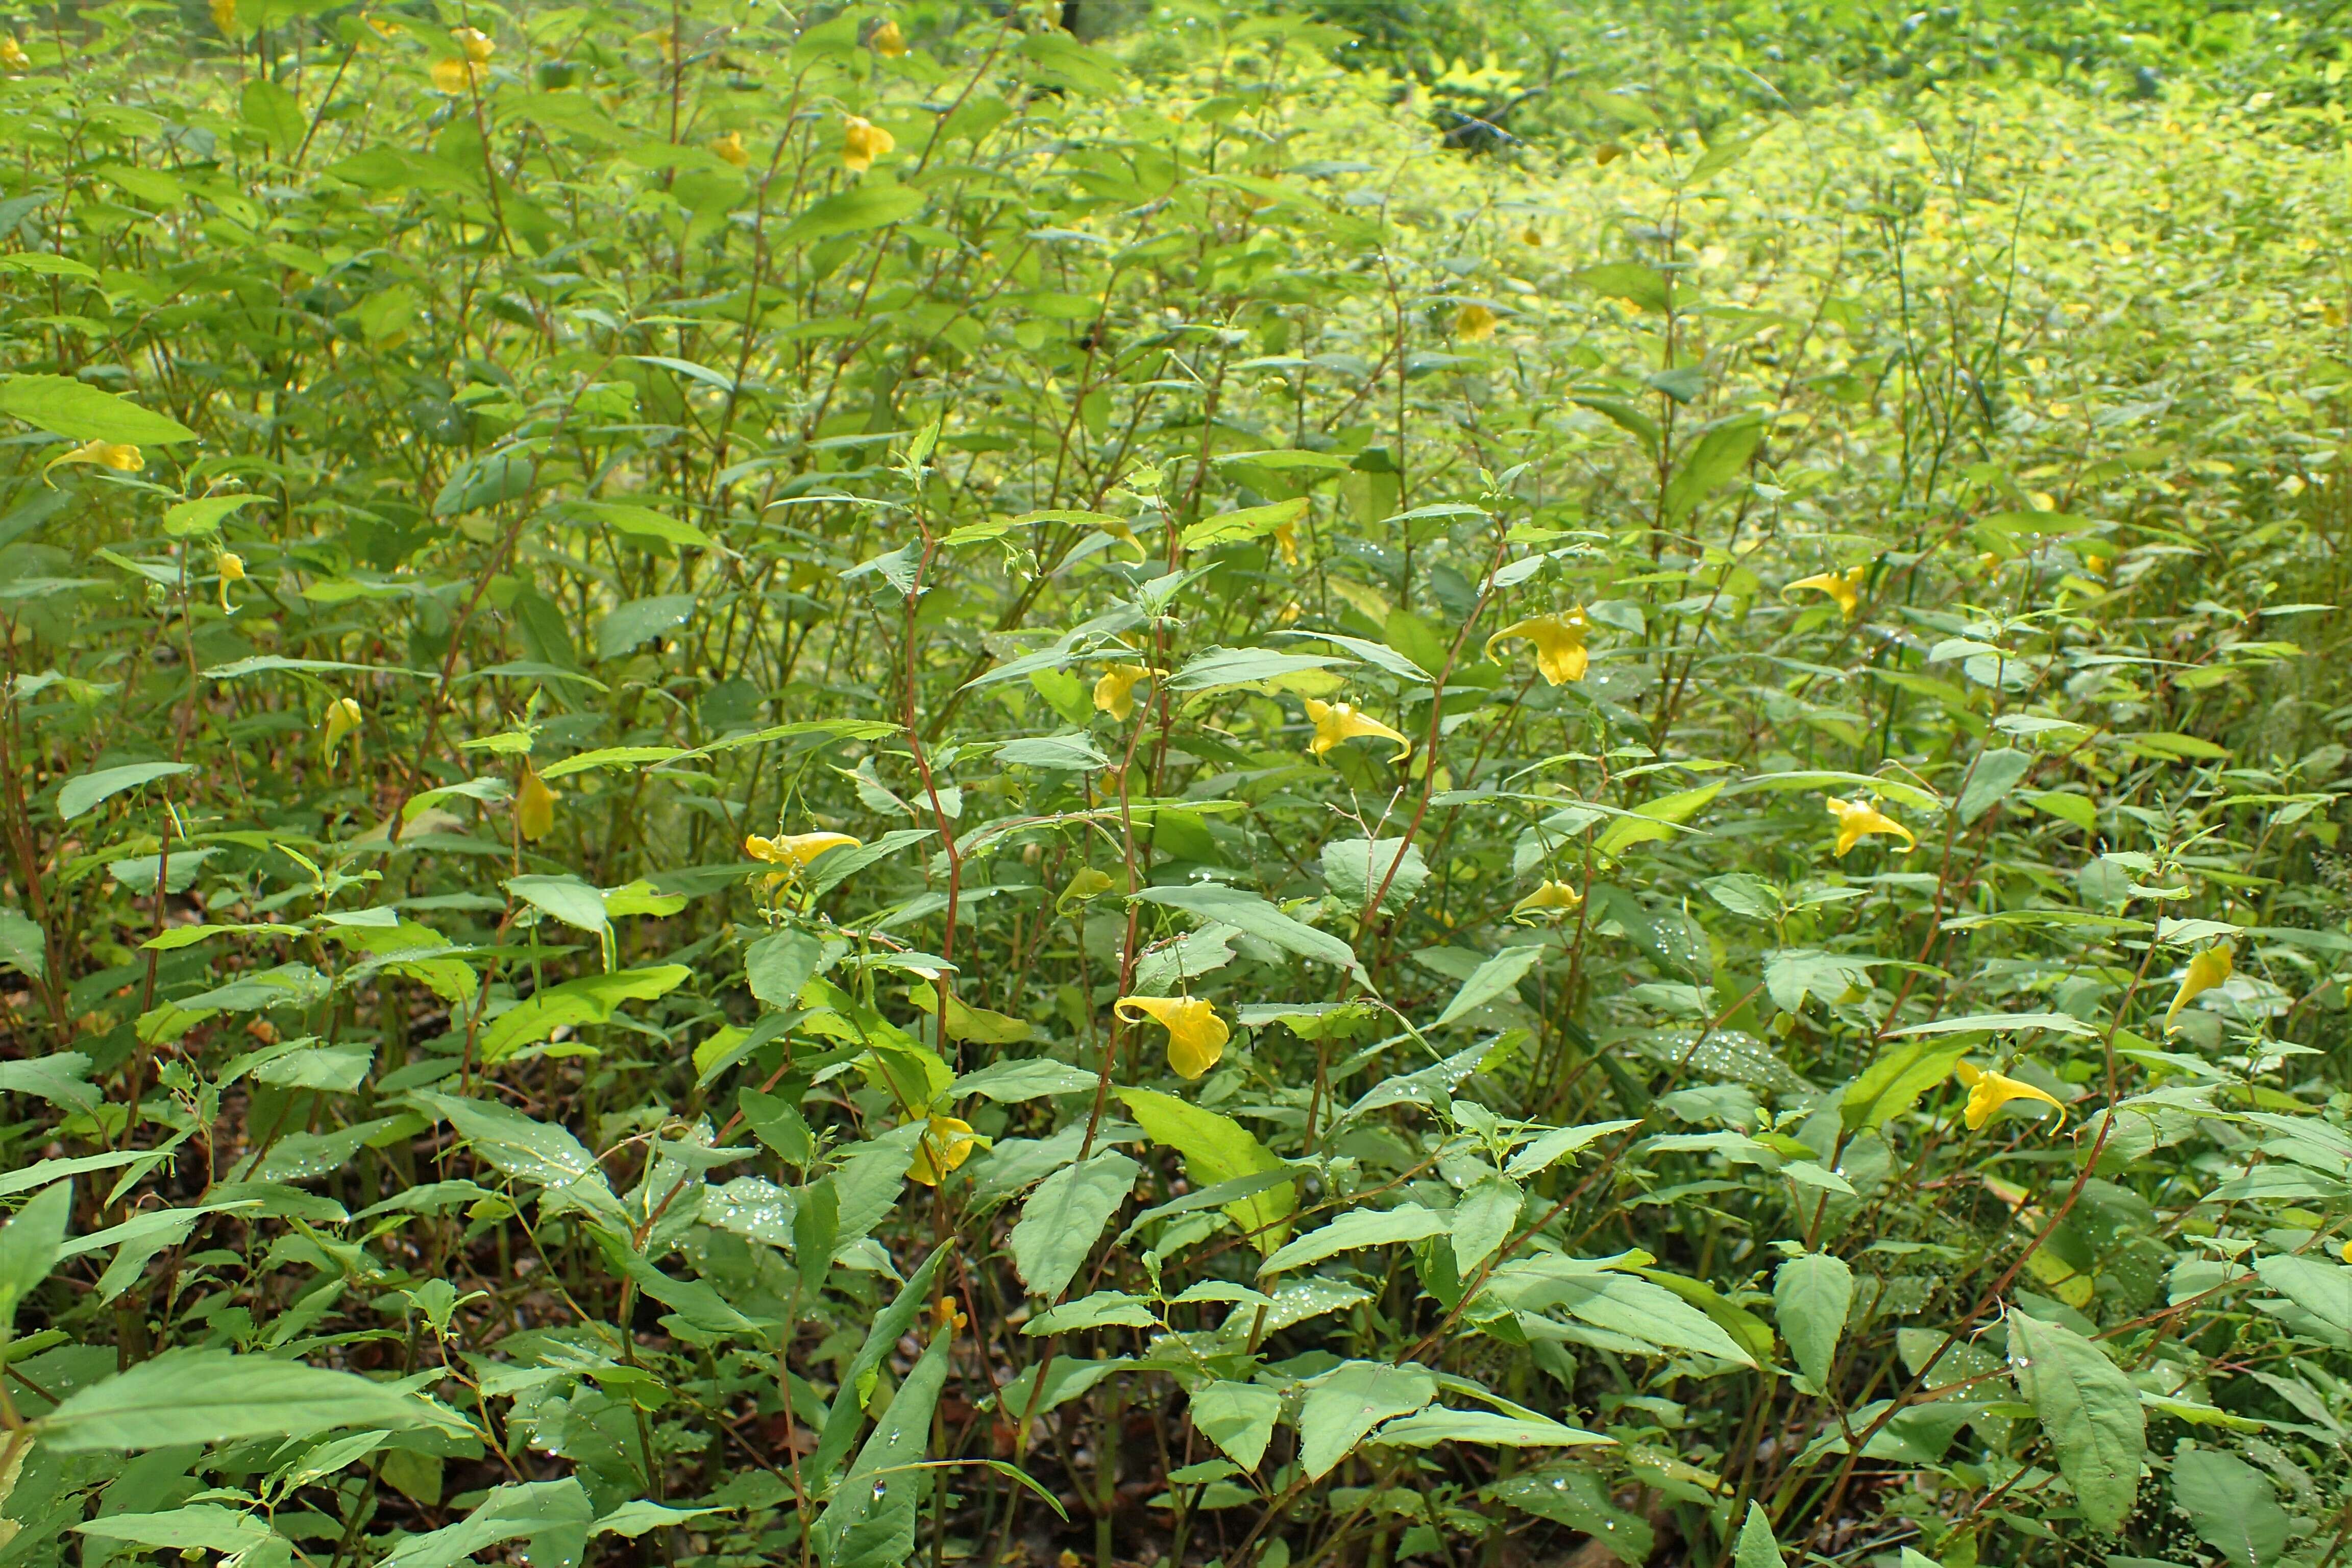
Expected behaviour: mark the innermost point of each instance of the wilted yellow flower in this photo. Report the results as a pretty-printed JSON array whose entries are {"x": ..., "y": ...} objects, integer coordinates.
[
  {"x": 534, "y": 806},
  {"x": 454, "y": 77},
  {"x": 475, "y": 42},
  {"x": 120, "y": 456},
  {"x": 13, "y": 57},
  {"x": 1560, "y": 643},
  {"x": 2206, "y": 970},
  {"x": 795, "y": 850},
  {"x": 861, "y": 142},
  {"x": 1845, "y": 587},
  {"x": 1531, "y": 235},
  {"x": 1607, "y": 153},
  {"x": 1858, "y": 819},
  {"x": 1286, "y": 542},
  {"x": 888, "y": 41},
  {"x": 225, "y": 15},
  {"x": 1989, "y": 1092},
  {"x": 946, "y": 1143},
  {"x": 731, "y": 148},
  {"x": 1474, "y": 322},
  {"x": 342, "y": 717},
  {"x": 1549, "y": 900},
  {"x": 231, "y": 567},
  {"x": 1337, "y": 721},
  {"x": 1196, "y": 1035},
  {"x": 1115, "y": 692}
]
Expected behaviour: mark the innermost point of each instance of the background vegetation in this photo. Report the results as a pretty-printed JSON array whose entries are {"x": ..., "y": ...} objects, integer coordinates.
[{"x": 1483, "y": 783}]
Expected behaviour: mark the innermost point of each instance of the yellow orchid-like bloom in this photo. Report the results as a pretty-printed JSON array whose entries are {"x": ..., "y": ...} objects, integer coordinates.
[
  {"x": 1989, "y": 1092},
  {"x": 1196, "y": 1035},
  {"x": 475, "y": 42},
  {"x": 1337, "y": 721},
  {"x": 2206, "y": 970},
  {"x": 1115, "y": 692},
  {"x": 231, "y": 567},
  {"x": 343, "y": 716},
  {"x": 1858, "y": 820},
  {"x": 730, "y": 149},
  {"x": 1845, "y": 587},
  {"x": 1560, "y": 643},
  {"x": 861, "y": 142},
  {"x": 13, "y": 57},
  {"x": 455, "y": 77},
  {"x": 1286, "y": 542},
  {"x": 120, "y": 456},
  {"x": 888, "y": 41},
  {"x": 946, "y": 1143},
  {"x": 1549, "y": 901},
  {"x": 947, "y": 1318},
  {"x": 534, "y": 806},
  {"x": 793, "y": 851},
  {"x": 1475, "y": 324},
  {"x": 225, "y": 15}
]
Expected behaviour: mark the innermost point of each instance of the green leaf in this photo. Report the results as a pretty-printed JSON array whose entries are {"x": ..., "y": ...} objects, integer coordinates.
[
  {"x": 1064, "y": 1217},
  {"x": 29, "y": 1244},
  {"x": 1526, "y": 1429},
  {"x": 1216, "y": 1149},
  {"x": 1719, "y": 457},
  {"x": 1344, "y": 1404},
  {"x": 1225, "y": 667},
  {"x": 190, "y": 518},
  {"x": 1238, "y": 1418},
  {"x": 1810, "y": 1296},
  {"x": 486, "y": 481},
  {"x": 525, "y": 1149},
  {"x": 566, "y": 899},
  {"x": 2231, "y": 1506},
  {"x": 779, "y": 964},
  {"x": 1250, "y": 523},
  {"x": 1357, "y": 1228},
  {"x": 2090, "y": 1412},
  {"x": 553, "y": 1516},
  {"x": 274, "y": 112},
  {"x": 213, "y": 1397},
  {"x": 1253, "y": 915},
  {"x": 880, "y": 1484},
  {"x": 1009, "y": 1082},
  {"x": 1756, "y": 1549},
  {"x": 2322, "y": 1289},
  {"x": 1353, "y": 866},
  {"x": 1990, "y": 781},
  {"x": 575, "y": 1002},
  {"x": 24, "y": 947},
  {"x": 1483, "y": 1220},
  {"x": 1654, "y": 819},
  {"x": 1556, "y": 1145},
  {"x": 641, "y": 620},
  {"x": 80, "y": 412},
  {"x": 1496, "y": 977},
  {"x": 198, "y": 1526},
  {"x": 86, "y": 793},
  {"x": 1893, "y": 1084},
  {"x": 1631, "y": 281},
  {"x": 866, "y": 206},
  {"x": 890, "y": 1325}
]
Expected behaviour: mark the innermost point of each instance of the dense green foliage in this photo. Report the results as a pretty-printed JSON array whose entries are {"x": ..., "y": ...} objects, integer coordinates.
[{"x": 859, "y": 788}]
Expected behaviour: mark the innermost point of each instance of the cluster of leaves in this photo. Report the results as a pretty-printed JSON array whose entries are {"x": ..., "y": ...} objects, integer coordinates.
[{"x": 844, "y": 788}]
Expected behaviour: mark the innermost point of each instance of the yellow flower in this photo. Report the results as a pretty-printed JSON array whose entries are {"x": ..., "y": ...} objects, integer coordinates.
[
  {"x": 888, "y": 41},
  {"x": 342, "y": 717},
  {"x": 454, "y": 77},
  {"x": 1531, "y": 235},
  {"x": 225, "y": 15},
  {"x": 946, "y": 1143},
  {"x": 1607, "y": 153},
  {"x": 1286, "y": 542},
  {"x": 1858, "y": 819},
  {"x": 1337, "y": 721},
  {"x": 1989, "y": 1092},
  {"x": 1475, "y": 322},
  {"x": 475, "y": 42},
  {"x": 1845, "y": 587},
  {"x": 861, "y": 142},
  {"x": 120, "y": 456},
  {"x": 1549, "y": 900},
  {"x": 1559, "y": 643},
  {"x": 2206, "y": 970},
  {"x": 947, "y": 1316},
  {"x": 731, "y": 148},
  {"x": 1196, "y": 1035},
  {"x": 13, "y": 57},
  {"x": 231, "y": 567},
  {"x": 795, "y": 850},
  {"x": 1115, "y": 692},
  {"x": 534, "y": 806}
]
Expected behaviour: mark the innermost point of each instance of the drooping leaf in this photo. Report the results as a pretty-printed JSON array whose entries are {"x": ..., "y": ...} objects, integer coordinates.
[{"x": 2089, "y": 1410}]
